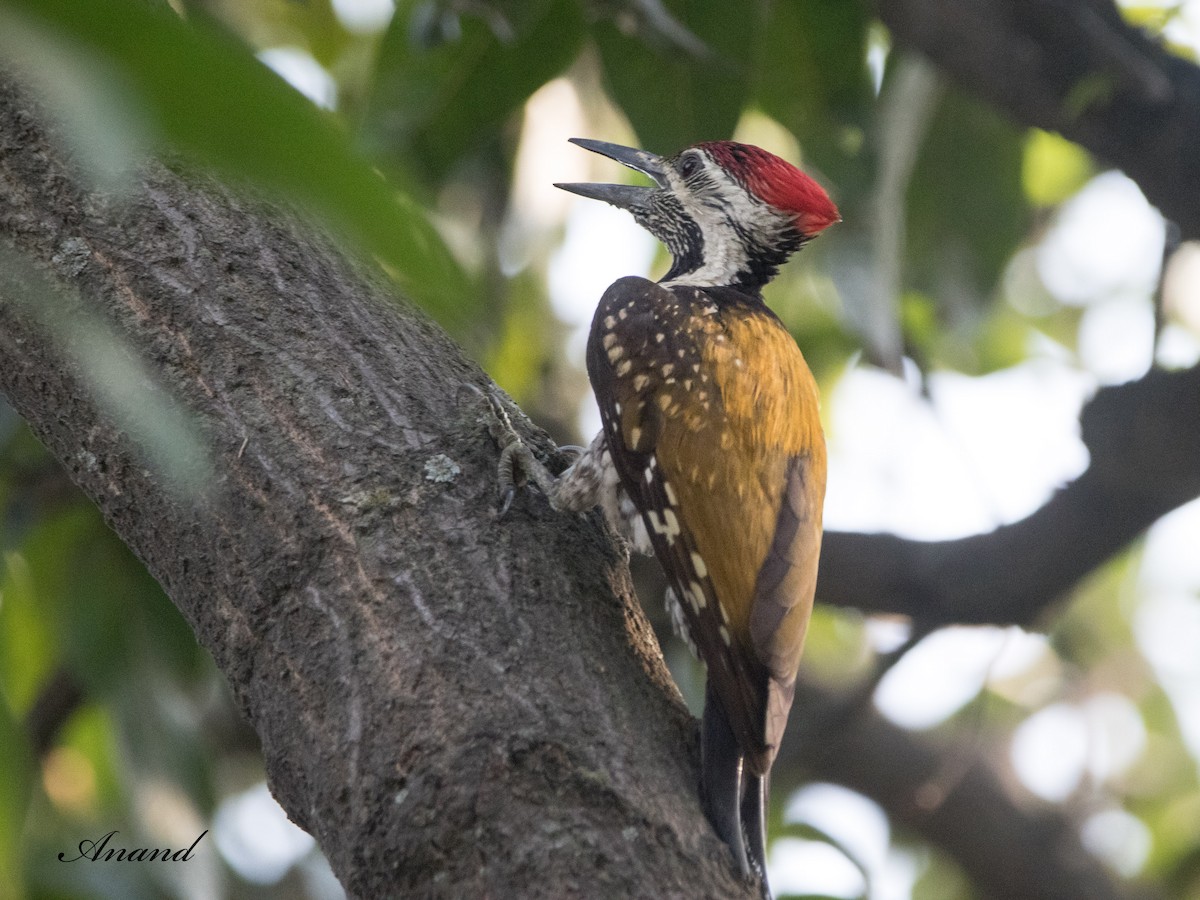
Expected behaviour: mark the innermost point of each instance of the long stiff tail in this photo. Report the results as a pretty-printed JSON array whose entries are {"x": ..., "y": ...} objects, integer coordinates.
[
  {"x": 734, "y": 799},
  {"x": 754, "y": 825},
  {"x": 721, "y": 778}
]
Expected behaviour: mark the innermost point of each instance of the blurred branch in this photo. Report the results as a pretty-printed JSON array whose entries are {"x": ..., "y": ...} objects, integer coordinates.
[
  {"x": 1171, "y": 243},
  {"x": 949, "y": 796},
  {"x": 58, "y": 698},
  {"x": 906, "y": 107},
  {"x": 1141, "y": 437},
  {"x": 1073, "y": 66},
  {"x": 426, "y": 681},
  {"x": 658, "y": 21}
]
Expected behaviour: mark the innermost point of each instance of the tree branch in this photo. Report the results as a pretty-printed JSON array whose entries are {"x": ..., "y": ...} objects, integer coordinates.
[
  {"x": 1076, "y": 67},
  {"x": 954, "y": 790},
  {"x": 949, "y": 795},
  {"x": 447, "y": 707},
  {"x": 1140, "y": 437},
  {"x": 1073, "y": 66},
  {"x": 58, "y": 698}
]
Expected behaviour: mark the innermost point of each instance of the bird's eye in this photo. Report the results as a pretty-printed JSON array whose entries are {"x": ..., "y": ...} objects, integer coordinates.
[{"x": 689, "y": 165}]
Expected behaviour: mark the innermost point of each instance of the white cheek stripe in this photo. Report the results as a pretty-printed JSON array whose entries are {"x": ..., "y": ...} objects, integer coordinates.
[{"x": 723, "y": 251}]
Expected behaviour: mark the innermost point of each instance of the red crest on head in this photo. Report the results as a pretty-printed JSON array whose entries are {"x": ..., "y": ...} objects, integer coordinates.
[{"x": 776, "y": 182}]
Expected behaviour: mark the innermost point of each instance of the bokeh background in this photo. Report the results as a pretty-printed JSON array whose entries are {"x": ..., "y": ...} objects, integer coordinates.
[{"x": 986, "y": 280}]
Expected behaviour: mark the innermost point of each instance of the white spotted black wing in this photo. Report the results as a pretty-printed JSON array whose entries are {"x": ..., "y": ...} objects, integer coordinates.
[{"x": 643, "y": 364}]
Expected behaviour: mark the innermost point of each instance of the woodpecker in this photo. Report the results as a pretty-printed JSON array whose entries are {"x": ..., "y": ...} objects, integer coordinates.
[{"x": 711, "y": 455}]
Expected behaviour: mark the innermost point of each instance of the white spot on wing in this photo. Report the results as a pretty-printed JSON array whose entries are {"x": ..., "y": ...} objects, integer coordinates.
[{"x": 672, "y": 527}]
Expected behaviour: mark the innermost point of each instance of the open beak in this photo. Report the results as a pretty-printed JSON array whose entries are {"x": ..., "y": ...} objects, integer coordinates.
[{"x": 634, "y": 198}]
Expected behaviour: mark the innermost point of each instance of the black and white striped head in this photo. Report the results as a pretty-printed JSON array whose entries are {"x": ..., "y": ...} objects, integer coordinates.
[{"x": 729, "y": 213}]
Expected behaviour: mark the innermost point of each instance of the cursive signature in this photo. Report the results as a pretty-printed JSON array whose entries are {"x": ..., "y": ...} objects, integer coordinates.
[{"x": 95, "y": 851}]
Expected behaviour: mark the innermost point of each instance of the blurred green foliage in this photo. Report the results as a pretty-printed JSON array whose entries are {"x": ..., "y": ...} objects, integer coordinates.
[
  {"x": 201, "y": 90},
  {"x": 679, "y": 89},
  {"x": 415, "y": 166},
  {"x": 447, "y": 85}
]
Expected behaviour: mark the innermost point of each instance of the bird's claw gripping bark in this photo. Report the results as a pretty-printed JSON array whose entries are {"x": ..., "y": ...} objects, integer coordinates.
[{"x": 517, "y": 463}]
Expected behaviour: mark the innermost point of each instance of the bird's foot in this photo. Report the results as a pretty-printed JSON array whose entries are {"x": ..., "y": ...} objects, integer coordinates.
[{"x": 517, "y": 464}]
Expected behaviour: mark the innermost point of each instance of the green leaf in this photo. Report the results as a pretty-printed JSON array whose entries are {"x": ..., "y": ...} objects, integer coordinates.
[
  {"x": 528, "y": 335},
  {"x": 207, "y": 96},
  {"x": 673, "y": 95},
  {"x": 1003, "y": 340},
  {"x": 15, "y": 788},
  {"x": 836, "y": 650},
  {"x": 942, "y": 880},
  {"x": 75, "y": 591},
  {"x": 813, "y": 79},
  {"x": 447, "y": 83},
  {"x": 74, "y": 572},
  {"x": 28, "y": 642},
  {"x": 967, "y": 211},
  {"x": 1053, "y": 168}
]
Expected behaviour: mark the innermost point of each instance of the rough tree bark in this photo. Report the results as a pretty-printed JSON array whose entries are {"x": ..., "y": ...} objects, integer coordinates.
[{"x": 448, "y": 707}]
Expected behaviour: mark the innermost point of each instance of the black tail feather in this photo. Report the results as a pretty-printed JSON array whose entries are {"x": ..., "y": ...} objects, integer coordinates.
[
  {"x": 721, "y": 779},
  {"x": 754, "y": 825}
]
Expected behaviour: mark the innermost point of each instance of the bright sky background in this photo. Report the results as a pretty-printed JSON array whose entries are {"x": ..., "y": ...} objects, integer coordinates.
[{"x": 978, "y": 452}]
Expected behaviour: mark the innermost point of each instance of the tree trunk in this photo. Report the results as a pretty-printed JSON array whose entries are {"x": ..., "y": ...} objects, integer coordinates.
[{"x": 453, "y": 705}]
